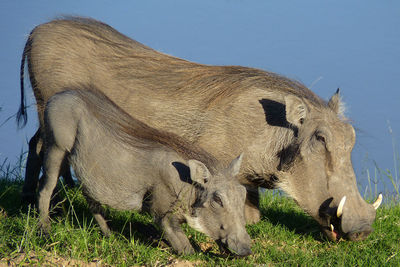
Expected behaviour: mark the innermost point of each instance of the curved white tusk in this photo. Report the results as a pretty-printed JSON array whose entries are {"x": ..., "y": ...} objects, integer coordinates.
[
  {"x": 378, "y": 202},
  {"x": 332, "y": 228},
  {"x": 339, "y": 211}
]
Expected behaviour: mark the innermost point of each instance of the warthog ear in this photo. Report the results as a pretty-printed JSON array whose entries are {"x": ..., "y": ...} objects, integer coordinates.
[
  {"x": 296, "y": 110},
  {"x": 198, "y": 171},
  {"x": 234, "y": 166},
  {"x": 334, "y": 102}
]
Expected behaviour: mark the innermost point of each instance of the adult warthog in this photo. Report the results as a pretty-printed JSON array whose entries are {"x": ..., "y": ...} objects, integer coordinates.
[
  {"x": 292, "y": 139},
  {"x": 135, "y": 161}
]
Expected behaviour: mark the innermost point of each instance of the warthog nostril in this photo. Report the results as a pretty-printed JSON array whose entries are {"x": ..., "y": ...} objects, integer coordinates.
[
  {"x": 234, "y": 246},
  {"x": 245, "y": 252},
  {"x": 360, "y": 235}
]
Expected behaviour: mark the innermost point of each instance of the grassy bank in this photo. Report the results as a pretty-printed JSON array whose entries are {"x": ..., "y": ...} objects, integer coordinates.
[{"x": 285, "y": 236}]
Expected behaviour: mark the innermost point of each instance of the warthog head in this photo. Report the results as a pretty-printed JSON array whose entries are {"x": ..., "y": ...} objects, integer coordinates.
[
  {"x": 316, "y": 169},
  {"x": 219, "y": 208}
]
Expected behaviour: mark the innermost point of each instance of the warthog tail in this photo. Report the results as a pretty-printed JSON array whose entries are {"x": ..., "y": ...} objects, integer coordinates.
[{"x": 22, "y": 116}]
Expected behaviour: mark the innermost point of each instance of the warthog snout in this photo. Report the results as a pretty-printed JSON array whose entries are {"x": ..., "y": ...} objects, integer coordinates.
[
  {"x": 238, "y": 246},
  {"x": 350, "y": 224},
  {"x": 336, "y": 233},
  {"x": 362, "y": 234}
]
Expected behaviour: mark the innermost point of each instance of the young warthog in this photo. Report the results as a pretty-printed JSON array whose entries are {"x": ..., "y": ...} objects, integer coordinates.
[
  {"x": 120, "y": 160},
  {"x": 292, "y": 139}
]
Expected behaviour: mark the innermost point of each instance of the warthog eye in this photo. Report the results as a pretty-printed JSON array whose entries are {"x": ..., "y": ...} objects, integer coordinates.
[
  {"x": 217, "y": 199},
  {"x": 320, "y": 138}
]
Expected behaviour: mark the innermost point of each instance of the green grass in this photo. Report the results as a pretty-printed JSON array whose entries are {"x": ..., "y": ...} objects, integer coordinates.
[
  {"x": 284, "y": 237},
  {"x": 388, "y": 181}
]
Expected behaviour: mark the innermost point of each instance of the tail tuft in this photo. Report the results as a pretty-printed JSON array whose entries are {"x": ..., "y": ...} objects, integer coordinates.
[{"x": 22, "y": 117}]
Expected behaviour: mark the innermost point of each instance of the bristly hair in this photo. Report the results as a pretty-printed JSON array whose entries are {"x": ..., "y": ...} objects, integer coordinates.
[
  {"x": 135, "y": 133},
  {"x": 133, "y": 63},
  {"x": 181, "y": 77}
]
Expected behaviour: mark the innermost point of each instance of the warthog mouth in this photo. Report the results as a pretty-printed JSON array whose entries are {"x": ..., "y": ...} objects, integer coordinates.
[
  {"x": 333, "y": 231},
  {"x": 224, "y": 248},
  {"x": 334, "y": 221},
  {"x": 333, "y": 216},
  {"x": 336, "y": 234}
]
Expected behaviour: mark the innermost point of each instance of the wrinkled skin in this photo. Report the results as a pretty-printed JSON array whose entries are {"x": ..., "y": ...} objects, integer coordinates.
[{"x": 226, "y": 110}]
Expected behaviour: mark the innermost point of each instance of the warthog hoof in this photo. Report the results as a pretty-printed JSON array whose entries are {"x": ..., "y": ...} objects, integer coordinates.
[{"x": 45, "y": 227}]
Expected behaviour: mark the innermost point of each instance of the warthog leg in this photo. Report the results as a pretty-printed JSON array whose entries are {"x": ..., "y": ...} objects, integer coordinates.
[
  {"x": 53, "y": 164},
  {"x": 175, "y": 235},
  {"x": 98, "y": 214},
  {"x": 32, "y": 170},
  {"x": 251, "y": 208},
  {"x": 67, "y": 176}
]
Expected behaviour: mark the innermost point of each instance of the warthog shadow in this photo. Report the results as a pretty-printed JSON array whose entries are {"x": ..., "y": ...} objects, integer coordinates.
[{"x": 293, "y": 220}]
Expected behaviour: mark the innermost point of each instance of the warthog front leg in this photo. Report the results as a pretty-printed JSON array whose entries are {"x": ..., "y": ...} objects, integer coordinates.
[
  {"x": 67, "y": 176},
  {"x": 175, "y": 235},
  {"x": 98, "y": 214},
  {"x": 52, "y": 167},
  {"x": 251, "y": 208}
]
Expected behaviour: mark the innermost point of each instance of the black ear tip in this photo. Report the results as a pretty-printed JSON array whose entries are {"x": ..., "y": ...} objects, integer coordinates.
[{"x": 337, "y": 91}]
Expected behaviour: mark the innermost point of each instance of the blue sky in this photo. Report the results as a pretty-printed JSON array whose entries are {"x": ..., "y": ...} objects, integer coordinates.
[{"x": 354, "y": 45}]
